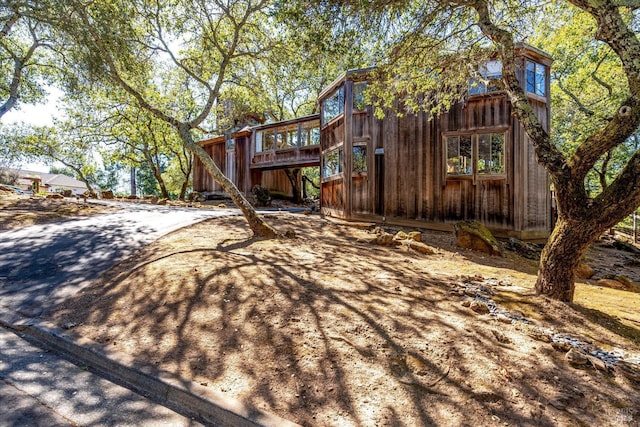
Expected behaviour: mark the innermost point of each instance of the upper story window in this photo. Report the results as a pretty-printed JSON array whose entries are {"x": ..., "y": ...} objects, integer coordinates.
[
  {"x": 358, "y": 95},
  {"x": 333, "y": 105},
  {"x": 231, "y": 144},
  {"x": 536, "y": 78},
  {"x": 490, "y": 71}
]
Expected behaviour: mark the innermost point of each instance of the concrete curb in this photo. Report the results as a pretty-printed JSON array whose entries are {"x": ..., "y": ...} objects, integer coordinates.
[{"x": 185, "y": 397}]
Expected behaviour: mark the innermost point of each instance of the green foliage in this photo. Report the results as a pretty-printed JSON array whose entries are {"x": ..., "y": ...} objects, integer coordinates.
[{"x": 588, "y": 87}]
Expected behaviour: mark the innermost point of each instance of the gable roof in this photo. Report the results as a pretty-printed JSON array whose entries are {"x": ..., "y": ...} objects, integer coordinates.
[{"x": 52, "y": 180}]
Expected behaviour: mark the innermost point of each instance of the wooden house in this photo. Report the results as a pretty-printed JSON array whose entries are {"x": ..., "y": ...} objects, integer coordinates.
[
  {"x": 473, "y": 162},
  {"x": 262, "y": 155}
]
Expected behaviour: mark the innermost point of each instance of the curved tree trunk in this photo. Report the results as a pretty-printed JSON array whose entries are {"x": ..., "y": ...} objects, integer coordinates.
[
  {"x": 560, "y": 257},
  {"x": 256, "y": 223}
]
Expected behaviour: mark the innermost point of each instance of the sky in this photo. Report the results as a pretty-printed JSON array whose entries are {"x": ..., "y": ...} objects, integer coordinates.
[{"x": 38, "y": 115}]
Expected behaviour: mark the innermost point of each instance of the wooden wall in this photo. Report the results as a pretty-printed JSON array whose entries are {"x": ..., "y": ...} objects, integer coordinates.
[
  {"x": 407, "y": 179},
  {"x": 202, "y": 181}
]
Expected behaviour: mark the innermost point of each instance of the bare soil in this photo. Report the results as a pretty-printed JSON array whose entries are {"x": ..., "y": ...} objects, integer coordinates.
[
  {"x": 21, "y": 211},
  {"x": 327, "y": 329}
]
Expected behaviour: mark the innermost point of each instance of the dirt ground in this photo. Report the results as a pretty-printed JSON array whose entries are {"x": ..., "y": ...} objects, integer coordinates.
[
  {"x": 328, "y": 329},
  {"x": 21, "y": 211}
]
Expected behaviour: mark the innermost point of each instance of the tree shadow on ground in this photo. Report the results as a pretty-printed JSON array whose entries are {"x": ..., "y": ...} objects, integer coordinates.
[{"x": 327, "y": 329}]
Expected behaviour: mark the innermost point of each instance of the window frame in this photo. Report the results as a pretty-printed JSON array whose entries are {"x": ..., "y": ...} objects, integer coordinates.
[
  {"x": 475, "y": 154},
  {"x": 339, "y": 95},
  {"x": 339, "y": 150},
  {"x": 364, "y": 150},
  {"x": 476, "y": 87},
  {"x": 535, "y": 84}
]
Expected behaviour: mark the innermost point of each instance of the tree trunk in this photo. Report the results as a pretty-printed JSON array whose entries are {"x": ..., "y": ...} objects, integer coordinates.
[
  {"x": 293, "y": 175},
  {"x": 158, "y": 176},
  {"x": 256, "y": 223},
  {"x": 560, "y": 257}
]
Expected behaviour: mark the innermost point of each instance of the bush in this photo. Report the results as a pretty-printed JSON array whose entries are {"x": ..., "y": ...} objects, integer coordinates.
[{"x": 262, "y": 194}]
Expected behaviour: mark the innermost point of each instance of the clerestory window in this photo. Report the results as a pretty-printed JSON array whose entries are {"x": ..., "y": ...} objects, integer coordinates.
[{"x": 536, "y": 78}]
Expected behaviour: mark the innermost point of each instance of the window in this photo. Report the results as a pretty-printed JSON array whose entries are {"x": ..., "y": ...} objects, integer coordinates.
[
  {"x": 269, "y": 141},
  {"x": 333, "y": 105},
  {"x": 491, "y": 153},
  {"x": 491, "y": 71},
  {"x": 486, "y": 149},
  {"x": 292, "y": 137},
  {"x": 231, "y": 144},
  {"x": 280, "y": 139},
  {"x": 259, "y": 136},
  {"x": 459, "y": 155},
  {"x": 536, "y": 78},
  {"x": 358, "y": 95},
  {"x": 359, "y": 158},
  {"x": 310, "y": 133},
  {"x": 332, "y": 163}
]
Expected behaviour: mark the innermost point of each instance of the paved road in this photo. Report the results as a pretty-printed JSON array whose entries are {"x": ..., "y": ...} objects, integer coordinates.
[
  {"x": 42, "y": 265},
  {"x": 37, "y": 388}
]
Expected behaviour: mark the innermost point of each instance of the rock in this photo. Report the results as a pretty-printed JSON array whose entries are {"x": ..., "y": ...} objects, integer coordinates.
[
  {"x": 69, "y": 325},
  {"x": 628, "y": 370},
  {"x": 536, "y": 333},
  {"x": 383, "y": 239},
  {"x": 503, "y": 319},
  {"x": 524, "y": 249},
  {"x": 611, "y": 283},
  {"x": 475, "y": 236},
  {"x": 377, "y": 230},
  {"x": 132, "y": 197},
  {"x": 67, "y": 193},
  {"x": 584, "y": 271},
  {"x": 517, "y": 314},
  {"x": 576, "y": 358},
  {"x": 500, "y": 337},
  {"x": 108, "y": 194},
  {"x": 479, "y": 307},
  {"x": 420, "y": 247},
  {"x": 415, "y": 235},
  {"x": 400, "y": 236},
  {"x": 162, "y": 202},
  {"x": 628, "y": 284},
  {"x": 561, "y": 346},
  {"x": 151, "y": 198},
  {"x": 55, "y": 196},
  {"x": 466, "y": 303},
  {"x": 221, "y": 205},
  {"x": 290, "y": 234}
]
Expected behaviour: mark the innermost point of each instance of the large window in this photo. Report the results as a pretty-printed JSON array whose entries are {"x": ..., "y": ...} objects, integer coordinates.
[
  {"x": 332, "y": 163},
  {"x": 333, "y": 105},
  {"x": 486, "y": 150},
  {"x": 536, "y": 78},
  {"x": 491, "y": 72}
]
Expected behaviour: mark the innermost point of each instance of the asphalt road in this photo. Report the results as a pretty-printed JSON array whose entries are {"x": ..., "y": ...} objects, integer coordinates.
[
  {"x": 38, "y": 388},
  {"x": 42, "y": 265}
]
